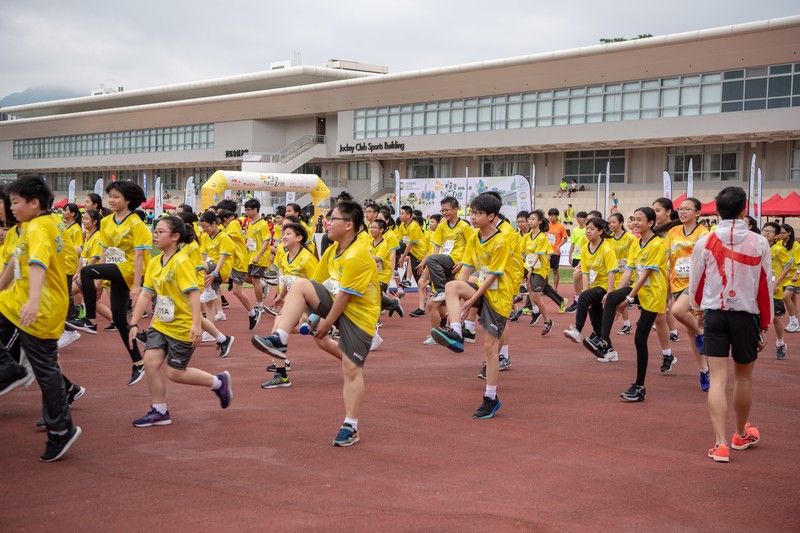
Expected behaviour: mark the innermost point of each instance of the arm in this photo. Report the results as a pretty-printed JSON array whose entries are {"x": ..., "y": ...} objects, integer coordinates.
[
  {"x": 141, "y": 305},
  {"x": 28, "y": 312},
  {"x": 6, "y": 276},
  {"x": 261, "y": 252},
  {"x": 138, "y": 268}
]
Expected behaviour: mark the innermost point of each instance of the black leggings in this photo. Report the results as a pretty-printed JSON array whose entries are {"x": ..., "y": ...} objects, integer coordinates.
[
  {"x": 72, "y": 311},
  {"x": 591, "y": 303},
  {"x": 643, "y": 328},
  {"x": 119, "y": 295}
]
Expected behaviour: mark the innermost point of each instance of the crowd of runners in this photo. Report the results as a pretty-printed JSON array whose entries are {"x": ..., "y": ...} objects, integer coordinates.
[{"x": 166, "y": 288}]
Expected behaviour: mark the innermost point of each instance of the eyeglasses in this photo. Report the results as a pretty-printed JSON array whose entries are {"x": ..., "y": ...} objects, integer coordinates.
[
  {"x": 687, "y": 209},
  {"x": 162, "y": 232},
  {"x": 340, "y": 218}
]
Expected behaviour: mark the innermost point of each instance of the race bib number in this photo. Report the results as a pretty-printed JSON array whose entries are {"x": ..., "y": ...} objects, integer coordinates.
[
  {"x": 165, "y": 309},
  {"x": 288, "y": 281},
  {"x": 17, "y": 270},
  {"x": 447, "y": 247},
  {"x": 592, "y": 276},
  {"x": 115, "y": 256},
  {"x": 482, "y": 277},
  {"x": 639, "y": 271},
  {"x": 405, "y": 239},
  {"x": 683, "y": 267},
  {"x": 251, "y": 245},
  {"x": 622, "y": 263},
  {"x": 551, "y": 239},
  {"x": 332, "y": 286},
  {"x": 531, "y": 260}
]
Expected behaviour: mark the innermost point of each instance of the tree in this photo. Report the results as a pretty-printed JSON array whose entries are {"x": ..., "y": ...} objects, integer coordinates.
[{"x": 606, "y": 40}]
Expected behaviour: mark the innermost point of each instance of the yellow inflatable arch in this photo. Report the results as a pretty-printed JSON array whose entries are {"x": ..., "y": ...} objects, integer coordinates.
[{"x": 222, "y": 180}]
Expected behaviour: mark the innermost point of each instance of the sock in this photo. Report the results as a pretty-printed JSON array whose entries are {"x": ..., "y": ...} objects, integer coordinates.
[
  {"x": 352, "y": 421},
  {"x": 60, "y": 433},
  {"x": 792, "y": 320},
  {"x": 281, "y": 370},
  {"x": 283, "y": 335},
  {"x": 220, "y": 338},
  {"x": 504, "y": 351},
  {"x": 673, "y": 332},
  {"x": 470, "y": 325},
  {"x": 667, "y": 352},
  {"x": 162, "y": 407},
  {"x": 535, "y": 309},
  {"x": 779, "y": 343},
  {"x": 626, "y": 323},
  {"x": 251, "y": 312},
  {"x": 491, "y": 392},
  {"x": 456, "y": 326},
  {"x": 217, "y": 383}
]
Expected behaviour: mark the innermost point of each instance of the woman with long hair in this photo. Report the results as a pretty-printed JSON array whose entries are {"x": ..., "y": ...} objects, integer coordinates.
[
  {"x": 621, "y": 241},
  {"x": 537, "y": 250},
  {"x": 72, "y": 234},
  {"x": 793, "y": 287},
  {"x": 667, "y": 330}
]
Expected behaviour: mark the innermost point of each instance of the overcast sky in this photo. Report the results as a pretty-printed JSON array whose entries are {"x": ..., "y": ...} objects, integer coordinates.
[{"x": 84, "y": 44}]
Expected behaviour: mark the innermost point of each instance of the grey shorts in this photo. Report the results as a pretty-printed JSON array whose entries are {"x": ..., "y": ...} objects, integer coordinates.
[
  {"x": 353, "y": 341},
  {"x": 237, "y": 277},
  {"x": 492, "y": 322},
  {"x": 178, "y": 352},
  {"x": 793, "y": 288},
  {"x": 538, "y": 283},
  {"x": 779, "y": 308},
  {"x": 255, "y": 271},
  {"x": 217, "y": 283},
  {"x": 677, "y": 294}
]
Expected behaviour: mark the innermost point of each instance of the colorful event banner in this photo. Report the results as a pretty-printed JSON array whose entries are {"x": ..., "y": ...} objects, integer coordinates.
[{"x": 427, "y": 194}]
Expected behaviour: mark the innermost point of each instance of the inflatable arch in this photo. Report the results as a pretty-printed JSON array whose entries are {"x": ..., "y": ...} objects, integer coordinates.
[{"x": 222, "y": 180}]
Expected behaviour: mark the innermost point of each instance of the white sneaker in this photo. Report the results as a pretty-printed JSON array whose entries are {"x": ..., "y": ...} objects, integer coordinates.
[
  {"x": 264, "y": 289},
  {"x": 793, "y": 328},
  {"x": 609, "y": 358},
  {"x": 67, "y": 338},
  {"x": 439, "y": 297},
  {"x": 573, "y": 334},
  {"x": 207, "y": 295},
  {"x": 208, "y": 337},
  {"x": 377, "y": 340},
  {"x": 429, "y": 341},
  {"x": 219, "y": 317}
]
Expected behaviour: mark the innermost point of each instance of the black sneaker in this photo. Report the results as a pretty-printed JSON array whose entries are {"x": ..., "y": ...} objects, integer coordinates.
[
  {"x": 82, "y": 324},
  {"x": 417, "y": 313},
  {"x": 254, "y": 319},
  {"x": 75, "y": 393},
  {"x": 515, "y": 314},
  {"x": 397, "y": 308},
  {"x": 225, "y": 346},
  {"x": 110, "y": 327},
  {"x": 624, "y": 330},
  {"x": 674, "y": 337},
  {"x": 443, "y": 323},
  {"x": 57, "y": 445},
  {"x": 505, "y": 363},
  {"x": 535, "y": 318},
  {"x": 405, "y": 284},
  {"x": 548, "y": 325},
  {"x": 449, "y": 339},
  {"x": 10, "y": 384},
  {"x": 469, "y": 336},
  {"x": 596, "y": 345},
  {"x": 634, "y": 394},
  {"x": 141, "y": 337},
  {"x": 482, "y": 373},
  {"x": 41, "y": 424},
  {"x": 488, "y": 408},
  {"x": 225, "y": 303},
  {"x": 572, "y": 307},
  {"x": 273, "y": 368},
  {"x": 225, "y": 392},
  {"x": 669, "y": 362},
  {"x": 137, "y": 373}
]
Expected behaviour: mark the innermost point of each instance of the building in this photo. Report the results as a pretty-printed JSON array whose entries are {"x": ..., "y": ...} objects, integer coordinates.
[{"x": 715, "y": 96}]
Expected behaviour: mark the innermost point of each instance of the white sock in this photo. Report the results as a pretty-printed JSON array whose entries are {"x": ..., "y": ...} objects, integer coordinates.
[
  {"x": 626, "y": 323},
  {"x": 673, "y": 332},
  {"x": 456, "y": 326},
  {"x": 160, "y": 407},
  {"x": 667, "y": 352},
  {"x": 220, "y": 338},
  {"x": 779, "y": 343},
  {"x": 504, "y": 351},
  {"x": 352, "y": 421},
  {"x": 283, "y": 335},
  {"x": 792, "y": 320},
  {"x": 470, "y": 325},
  {"x": 535, "y": 309},
  {"x": 491, "y": 392},
  {"x": 251, "y": 312},
  {"x": 217, "y": 383}
]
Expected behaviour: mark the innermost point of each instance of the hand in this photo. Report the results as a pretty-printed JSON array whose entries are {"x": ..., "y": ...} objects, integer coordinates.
[
  {"x": 196, "y": 334},
  {"x": 457, "y": 267},
  {"x": 207, "y": 280},
  {"x": 466, "y": 306},
  {"x": 323, "y": 328},
  {"x": 134, "y": 294},
  {"x": 420, "y": 268},
  {"x": 278, "y": 302},
  {"x": 27, "y": 314},
  {"x": 603, "y": 301},
  {"x": 132, "y": 331}
]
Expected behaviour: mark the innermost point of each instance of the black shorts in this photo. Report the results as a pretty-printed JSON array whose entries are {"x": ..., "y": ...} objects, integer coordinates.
[
  {"x": 779, "y": 308},
  {"x": 178, "y": 352},
  {"x": 491, "y": 321},
  {"x": 736, "y": 332},
  {"x": 575, "y": 262},
  {"x": 257, "y": 272},
  {"x": 538, "y": 283},
  {"x": 554, "y": 261}
]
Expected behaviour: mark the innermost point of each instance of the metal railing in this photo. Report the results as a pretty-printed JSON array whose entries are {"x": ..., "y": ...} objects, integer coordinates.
[{"x": 306, "y": 142}]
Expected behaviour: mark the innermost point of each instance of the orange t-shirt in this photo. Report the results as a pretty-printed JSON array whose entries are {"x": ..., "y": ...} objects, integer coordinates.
[{"x": 556, "y": 236}]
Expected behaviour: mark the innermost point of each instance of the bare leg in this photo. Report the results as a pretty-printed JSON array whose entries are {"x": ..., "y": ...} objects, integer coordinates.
[
  {"x": 717, "y": 400},
  {"x": 682, "y": 312},
  {"x": 153, "y": 359},
  {"x": 190, "y": 376}
]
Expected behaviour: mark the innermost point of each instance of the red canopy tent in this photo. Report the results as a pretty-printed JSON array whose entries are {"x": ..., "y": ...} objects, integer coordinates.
[
  {"x": 788, "y": 207},
  {"x": 676, "y": 203},
  {"x": 151, "y": 203},
  {"x": 61, "y": 203},
  {"x": 709, "y": 209},
  {"x": 772, "y": 206}
]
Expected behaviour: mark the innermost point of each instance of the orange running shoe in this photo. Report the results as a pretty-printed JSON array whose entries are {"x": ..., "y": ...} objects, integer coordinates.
[
  {"x": 750, "y": 437},
  {"x": 720, "y": 453}
]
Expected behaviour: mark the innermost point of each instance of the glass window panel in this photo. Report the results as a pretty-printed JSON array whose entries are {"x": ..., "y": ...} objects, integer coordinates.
[
  {"x": 711, "y": 93},
  {"x": 514, "y": 111},
  {"x": 560, "y": 121},
  {"x": 731, "y": 106},
  {"x": 577, "y": 91},
  {"x": 457, "y": 116},
  {"x": 780, "y": 86},
  {"x": 577, "y": 119},
  {"x": 577, "y": 106},
  {"x": 687, "y": 111},
  {"x": 651, "y": 84},
  {"x": 650, "y": 99},
  {"x": 372, "y": 123},
  {"x": 597, "y": 89},
  {"x": 383, "y": 122},
  {"x": 631, "y": 86},
  {"x": 561, "y": 93},
  {"x": 751, "y": 105},
  {"x": 529, "y": 96},
  {"x": 594, "y": 117},
  {"x": 712, "y": 77},
  {"x": 560, "y": 107},
  {"x": 780, "y": 69},
  {"x": 755, "y": 88},
  {"x": 686, "y": 80},
  {"x": 796, "y": 84},
  {"x": 669, "y": 97},
  {"x": 734, "y": 74},
  {"x": 543, "y": 109},
  {"x": 484, "y": 114},
  {"x": 629, "y": 115},
  {"x": 430, "y": 118},
  {"x": 443, "y": 117},
  {"x": 594, "y": 104},
  {"x": 630, "y": 101},
  {"x": 470, "y": 115},
  {"x": 670, "y": 82},
  {"x": 710, "y": 109},
  {"x": 775, "y": 103},
  {"x": 498, "y": 113}
]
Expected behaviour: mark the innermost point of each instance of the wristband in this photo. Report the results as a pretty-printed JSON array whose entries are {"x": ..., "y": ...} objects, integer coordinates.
[
  {"x": 630, "y": 299},
  {"x": 216, "y": 274}
]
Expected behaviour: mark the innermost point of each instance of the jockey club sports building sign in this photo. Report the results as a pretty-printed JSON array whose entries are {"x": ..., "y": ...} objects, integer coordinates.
[{"x": 371, "y": 147}]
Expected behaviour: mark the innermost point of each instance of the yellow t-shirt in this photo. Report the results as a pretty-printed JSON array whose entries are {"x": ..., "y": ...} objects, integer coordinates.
[
  {"x": 192, "y": 251},
  {"x": 302, "y": 265},
  {"x": 240, "y": 256},
  {"x": 391, "y": 239},
  {"x": 381, "y": 251},
  {"x": 679, "y": 254},
  {"x": 493, "y": 256},
  {"x": 40, "y": 242},
  {"x": 276, "y": 233},
  {"x": 10, "y": 245},
  {"x": 364, "y": 238},
  {"x": 515, "y": 241},
  {"x": 622, "y": 249},
  {"x": 360, "y": 279},
  {"x": 411, "y": 235},
  {"x": 91, "y": 248},
  {"x": 120, "y": 240},
  {"x": 171, "y": 283},
  {"x": 652, "y": 256},
  {"x": 310, "y": 241},
  {"x": 452, "y": 240},
  {"x": 257, "y": 234},
  {"x": 598, "y": 264},
  {"x": 780, "y": 260},
  {"x": 794, "y": 253},
  {"x": 73, "y": 237},
  {"x": 578, "y": 239},
  {"x": 216, "y": 247},
  {"x": 537, "y": 253}
]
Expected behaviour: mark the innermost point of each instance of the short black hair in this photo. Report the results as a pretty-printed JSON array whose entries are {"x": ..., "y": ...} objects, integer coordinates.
[
  {"x": 230, "y": 205},
  {"x": 353, "y": 212},
  {"x": 132, "y": 193},
  {"x": 252, "y": 203},
  {"x": 731, "y": 201},
  {"x": 32, "y": 187},
  {"x": 451, "y": 201},
  {"x": 486, "y": 202}
]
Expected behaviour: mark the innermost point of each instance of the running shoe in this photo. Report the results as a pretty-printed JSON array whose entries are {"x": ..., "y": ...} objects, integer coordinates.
[
  {"x": 269, "y": 309},
  {"x": 482, "y": 373},
  {"x": 780, "y": 352},
  {"x": 271, "y": 344},
  {"x": 515, "y": 314},
  {"x": 636, "y": 393},
  {"x": 610, "y": 357},
  {"x": 67, "y": 337},
  {"x": 377, "y": 340},
  {"x": 82, "y": 324},
  {"x": 405, "y": 284},
  {"x": 505, "y": 363},
  {"x": 141, "y": 337},
  {"x": 207, "y": 295},
  {"x": 792, "y": 328},
  {"x": 264, "y": 290},
  {"x": 705, "y": 382},
  {"x": 57, "y": 445},
  {"x": 429, "y": 341},
  {"x": 10, "y": 384},
  {"x": 153, "y": 418},
  {"x": 273, "y": 368},
  {"x": 668, "y": 363},
  {"x": 546, "y": 327},
  {"x": 220, "y": 317},
  {"x": 720, "y": 453},
  {"x": 225, "y": 346},
  {"x": 573, "y": 334},
  {"x": 624, "y": 330},
  {"x": 596, "y": 345},
  {"x": 572, "y": 307},
  {"x": 488, "y": 408},
  {"x": 396, "y": 308},
  {"x": 469, "y": 336},
  {"x": 527, "y": 311},
  {"x": 208, "y": 337},
  {"x": 449, "y": 339},
  {"x": 438, "y": 297},
  {"x": 225, "y": 392},
  {"x": 137, "y": 373},
  {"x": 347, "y": 436},
  {"x": 225, "y": 303},
  {"x": 254, "y": 319},
  {"x": 75, "y": 393},
  {"x": 562, "y": 307},
  {"x": 535, "y": 318},
  {"x": 750, "y": 438},
  {"x": 110, "y": 327},
  {"x": 674, "y": 337},
  {"x": 277, "y": 382},
  {"x": 417, "y": 313}
]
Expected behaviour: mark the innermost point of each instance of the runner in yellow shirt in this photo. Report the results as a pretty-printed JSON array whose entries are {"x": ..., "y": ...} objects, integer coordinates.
[
  {"x": 257, "y": 239},
  {"x": 782, "y": 264},
  {"x": 72, "y": 232},
  {"x": 218, "y": 250},
  {"x": 537, "y": 251},
  {"x": 793, "y": 287},
  {"x": 621, "y": 242},
  {"x": 171, "y": 280}
]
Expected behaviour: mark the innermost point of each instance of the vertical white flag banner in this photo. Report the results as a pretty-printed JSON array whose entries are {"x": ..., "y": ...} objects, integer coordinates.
[
  {"x": 690, "y": 181},
  {"x": 158, "y": 200},
  {"x": 290, "y": 197},
  {"x": 750, "y": 210},
  {"x": 597, "y": 196},
  {"x": 760, "y": 197},
  {"x": 98, "y": 187},
  {"x": 144, "y": 183},
  {"x": 189, "y": 195},
  {"x": 533, "y": 187},
  {"x": 608, "y": 188},
  {"x": 667, "y": 185},
  {"x": 71, "y": 192},
  {"x": 396, "y": 189}
]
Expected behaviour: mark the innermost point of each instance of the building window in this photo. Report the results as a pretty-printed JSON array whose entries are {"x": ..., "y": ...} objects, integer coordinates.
[
  {"x": 436, "y": 167},
  {"x": 794, "y": 173},
  {"x": 506, "y": 165},
  {"x": 169, "y": 179},
  {"x": 358, "y": 170},
  {"x": 584, "y": 166},
  {"x": 711, "y": 162},
  {"x": 61, "y": 182},
  {"x": 89, "y": 179}
]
